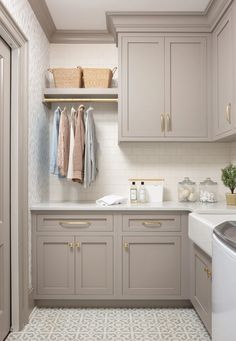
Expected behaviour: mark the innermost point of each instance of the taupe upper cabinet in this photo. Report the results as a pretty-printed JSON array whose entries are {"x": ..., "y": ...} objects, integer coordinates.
[
  {"x": 142, "y": 88},
  {"x": 186, "y": 87},
  {"x": 223, "y": 76},
  {"x": 163, "y": 88}
]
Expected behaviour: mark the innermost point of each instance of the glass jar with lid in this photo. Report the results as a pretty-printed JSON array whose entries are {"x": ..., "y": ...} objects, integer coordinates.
[
  {"x": 187, "y": 190},
  {"x": 208, "y": 191}
]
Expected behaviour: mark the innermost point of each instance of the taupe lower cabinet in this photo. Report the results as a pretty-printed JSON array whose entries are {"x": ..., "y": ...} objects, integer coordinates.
[
  {"x": 201, "y": 284},
  {"x": 74, "y": 265},
  {"x": 163, "y": 87},
  {"x": 151, "y": 265},
  {"x": 114, "y": 255}
]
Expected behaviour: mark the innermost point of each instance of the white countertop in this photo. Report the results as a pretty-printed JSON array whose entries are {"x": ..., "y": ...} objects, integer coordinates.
[{"x": 217, "y": 208}]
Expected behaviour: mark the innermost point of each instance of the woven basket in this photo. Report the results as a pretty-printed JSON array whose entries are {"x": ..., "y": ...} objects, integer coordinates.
[
  {"x": 67, "y": 77},
  {"x": 98, "y": 78}
]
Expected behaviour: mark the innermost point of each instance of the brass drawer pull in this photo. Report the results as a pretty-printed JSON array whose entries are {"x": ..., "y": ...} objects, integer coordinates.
[
  {"x": 126, "y": 246},
  {"x": 152, "y": 223},
  {"x": 71, "y": 245},
  {"x": 79, "y": 224}
]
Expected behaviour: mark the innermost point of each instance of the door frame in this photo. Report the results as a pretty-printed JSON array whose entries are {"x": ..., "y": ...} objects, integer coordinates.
[{"x": 13, "y": 36}]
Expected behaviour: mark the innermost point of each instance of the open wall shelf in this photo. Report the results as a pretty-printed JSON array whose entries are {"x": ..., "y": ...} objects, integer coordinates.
[{"x": 58, "y": 95}]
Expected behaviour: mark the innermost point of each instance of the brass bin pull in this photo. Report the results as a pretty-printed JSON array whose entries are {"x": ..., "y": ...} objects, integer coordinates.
[
  {"x": 75, "y": 223},
  {"x": 152, "y": 223},
  {"x": 71, "y": 245},
  {"x": 126, "y": 246}
]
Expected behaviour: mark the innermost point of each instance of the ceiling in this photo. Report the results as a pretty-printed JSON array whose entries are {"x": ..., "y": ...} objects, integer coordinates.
[{"x": 90, "y": 14}]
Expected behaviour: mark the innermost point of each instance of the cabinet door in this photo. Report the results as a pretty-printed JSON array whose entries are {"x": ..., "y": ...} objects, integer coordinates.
[
  {"x": 141, "y": 88},
  {"x": 55, "y": 265},
  {"x": 223, "y": 75},
  {"x": 186, "y": 87},
  {"x": 94, "y": 265},
  {"x": 201, "y": 285},
  {"x": 151, "y": 266}
]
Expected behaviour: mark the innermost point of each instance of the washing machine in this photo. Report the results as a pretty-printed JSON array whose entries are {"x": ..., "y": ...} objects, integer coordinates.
[{"x": 224, "y": 282}]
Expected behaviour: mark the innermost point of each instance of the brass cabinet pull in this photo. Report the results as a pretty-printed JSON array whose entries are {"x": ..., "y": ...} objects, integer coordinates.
[
  {"x": 126, "y": 246},
  {"x": 168, "y": 128},
  {"x": 79, "y": 224},
  {"x": 228, "y": 113},
  {"x": 209, "y": 273},
  {"x": 78, "y": 245},
  {"x": 162, "y": 123},
  {"x": 71, "y": 245},
  {"x": 152, "y": 223}
]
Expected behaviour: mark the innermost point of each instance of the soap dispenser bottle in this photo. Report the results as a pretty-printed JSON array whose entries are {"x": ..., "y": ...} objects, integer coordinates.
[
  {"x": 133, "y": 193},
  {"x": 142, "y": 193}
]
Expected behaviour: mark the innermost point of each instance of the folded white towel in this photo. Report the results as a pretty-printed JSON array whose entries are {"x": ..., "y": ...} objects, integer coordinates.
[{"x": 109, "y": 200}]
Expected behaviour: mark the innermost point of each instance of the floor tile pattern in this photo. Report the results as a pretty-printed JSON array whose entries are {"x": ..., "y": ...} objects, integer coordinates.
[{"x": 67, "y": 324}]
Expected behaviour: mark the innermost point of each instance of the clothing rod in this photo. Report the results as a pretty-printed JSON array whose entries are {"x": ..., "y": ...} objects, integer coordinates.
[{"x": 55, "y": 100}]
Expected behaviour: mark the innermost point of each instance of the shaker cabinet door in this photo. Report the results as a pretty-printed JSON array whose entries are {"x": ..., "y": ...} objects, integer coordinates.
[
  {"x": 186, "y": 87},
  {"x": 55, "y": 265},
  {"x": 223, "y": 75},
  {"x": 94, "y": 265},
  {"x": 201, "y": 285},
  {"x": 141, "y": 88},
  {"x": 151, "y": 266}
]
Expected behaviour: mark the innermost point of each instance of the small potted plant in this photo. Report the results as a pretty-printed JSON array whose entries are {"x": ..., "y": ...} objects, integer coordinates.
[{"x": 229, "y": 180}]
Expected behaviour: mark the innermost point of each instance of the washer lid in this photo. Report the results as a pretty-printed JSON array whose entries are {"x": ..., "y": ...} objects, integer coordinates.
[{"x": 227, "y": 233}]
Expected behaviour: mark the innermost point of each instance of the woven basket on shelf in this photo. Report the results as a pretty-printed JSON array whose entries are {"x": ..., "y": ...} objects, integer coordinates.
[
  {"x": 67, "y": 77},
  {"x": 98, "y": 78}
]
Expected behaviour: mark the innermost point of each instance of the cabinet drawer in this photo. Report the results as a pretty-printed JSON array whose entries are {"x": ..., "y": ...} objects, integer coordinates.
[
  {"x": 75, "y": 223},
  {"x": 152, "y": 223}
]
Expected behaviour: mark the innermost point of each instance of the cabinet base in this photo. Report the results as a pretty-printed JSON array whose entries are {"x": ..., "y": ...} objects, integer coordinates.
[{"x": 114, "y": 303}]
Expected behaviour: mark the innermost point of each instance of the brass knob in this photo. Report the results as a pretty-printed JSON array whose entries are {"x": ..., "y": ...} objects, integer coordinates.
[
  {"x": 126, "y": 246},
  {"x": 71, "y": 245},
  {"x": 78, "y": 245}
]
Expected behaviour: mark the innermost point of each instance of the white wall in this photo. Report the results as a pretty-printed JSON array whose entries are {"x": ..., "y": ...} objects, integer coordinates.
[
  {"x": 38, "y": 52},
  {"x": 117, "y": 163}
]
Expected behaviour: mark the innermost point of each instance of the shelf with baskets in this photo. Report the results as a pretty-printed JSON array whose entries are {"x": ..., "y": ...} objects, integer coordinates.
[{"x": 59, "y": 95}]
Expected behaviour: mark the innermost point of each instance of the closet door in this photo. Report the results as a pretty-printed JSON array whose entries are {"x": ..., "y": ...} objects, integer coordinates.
[
  {"x": 5, "y": 59},
  {"x": 186, "y": 87},
  {"x": 141, "y": 88}
]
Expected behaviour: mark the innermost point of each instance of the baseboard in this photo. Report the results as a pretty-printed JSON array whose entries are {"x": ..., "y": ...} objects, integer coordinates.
[
  {"x": 31, "y": 301},
  {"x": 114, "y": 303}
]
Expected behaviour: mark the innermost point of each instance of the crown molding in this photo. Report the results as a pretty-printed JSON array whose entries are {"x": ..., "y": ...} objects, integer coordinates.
[
  {"x": 81, "y": 37},
  {"x": 43, "y": 15},
  {"x": 158, "y": 22},
  {"x": 133, "y": 22}
]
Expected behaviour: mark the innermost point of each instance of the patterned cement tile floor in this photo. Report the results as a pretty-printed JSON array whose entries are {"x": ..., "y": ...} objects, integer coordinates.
[{"x": 64, "y": 324}]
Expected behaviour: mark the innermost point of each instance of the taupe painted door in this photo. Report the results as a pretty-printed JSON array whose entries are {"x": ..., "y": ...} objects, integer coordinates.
[
  {"x": 142, "y": 87},
  {"x": 94, "y": 265},
  {"x": 223, "y": 75},
  {"x": 186, "y": 87},
  {"x": 151, "y": 265},
  {"x": 202, "y": 286},
  {"x": 5, "y": 62},
  {"x": 55, "y": 265}
]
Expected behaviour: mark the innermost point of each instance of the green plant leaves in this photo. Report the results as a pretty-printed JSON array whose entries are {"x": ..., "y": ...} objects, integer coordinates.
[{"x": 229, "y": 177}]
